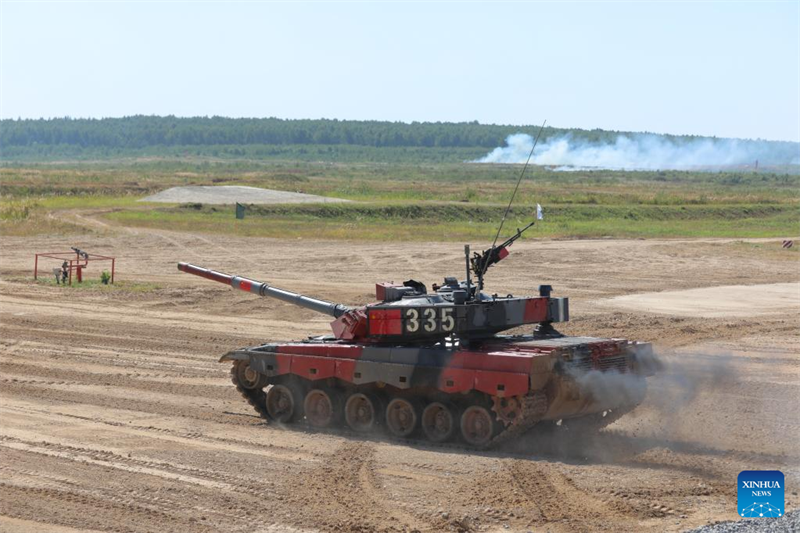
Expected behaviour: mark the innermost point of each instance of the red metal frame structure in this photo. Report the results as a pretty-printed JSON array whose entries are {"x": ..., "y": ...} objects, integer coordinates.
[{"x": 76, "y": 262}]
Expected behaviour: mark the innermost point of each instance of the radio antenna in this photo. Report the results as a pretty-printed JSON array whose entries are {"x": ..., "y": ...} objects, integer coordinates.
[{"x": 511, "y": 201}]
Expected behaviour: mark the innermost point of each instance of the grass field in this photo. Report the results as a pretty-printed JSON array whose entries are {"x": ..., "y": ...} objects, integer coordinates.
[
  {"x": 422, "y": 201},
  {"x": 457, "y": 222}
]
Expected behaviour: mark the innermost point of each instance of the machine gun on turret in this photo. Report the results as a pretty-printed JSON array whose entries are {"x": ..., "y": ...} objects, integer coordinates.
[{"x": 480, "y": 262}]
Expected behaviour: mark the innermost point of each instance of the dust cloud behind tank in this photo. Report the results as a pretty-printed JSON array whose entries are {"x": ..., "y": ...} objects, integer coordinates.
[{"x": 435, "y": 364}]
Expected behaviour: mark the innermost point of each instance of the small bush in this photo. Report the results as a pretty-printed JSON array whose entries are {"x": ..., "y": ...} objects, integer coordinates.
[{"x": 16, "y": 210}]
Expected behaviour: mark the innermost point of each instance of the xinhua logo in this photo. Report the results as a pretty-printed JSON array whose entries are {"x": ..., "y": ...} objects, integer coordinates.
[{"x": 760, "y": 493}]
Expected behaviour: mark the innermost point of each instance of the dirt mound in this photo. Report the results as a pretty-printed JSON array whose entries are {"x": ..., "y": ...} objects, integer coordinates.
[{"x": 231, "y": 194}]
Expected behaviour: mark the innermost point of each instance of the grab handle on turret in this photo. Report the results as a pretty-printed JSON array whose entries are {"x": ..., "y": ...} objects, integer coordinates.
[{"x": 264, "y": 289}]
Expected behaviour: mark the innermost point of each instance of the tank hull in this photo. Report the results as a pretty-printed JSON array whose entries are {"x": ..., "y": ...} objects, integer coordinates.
[{"x": 519, "y": 381}]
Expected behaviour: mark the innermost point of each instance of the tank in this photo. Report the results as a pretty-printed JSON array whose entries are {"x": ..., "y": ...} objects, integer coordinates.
[{"x": 435, "y": 365}]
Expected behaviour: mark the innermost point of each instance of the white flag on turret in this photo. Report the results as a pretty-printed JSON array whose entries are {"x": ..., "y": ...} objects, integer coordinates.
[{"x": 539, "y": 214}]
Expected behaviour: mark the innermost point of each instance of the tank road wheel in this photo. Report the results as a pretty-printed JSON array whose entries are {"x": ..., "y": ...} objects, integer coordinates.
[
  {"x": 438, "y": 422},
  {"x": 361, "y": 412},
  {"x": 283, "y": 403},
  {"x": 477, "y": 425},
  {"x": 320, "y": 408},
  {"x": 401, "y": 418},
  {"x": 248, "y": 378}
]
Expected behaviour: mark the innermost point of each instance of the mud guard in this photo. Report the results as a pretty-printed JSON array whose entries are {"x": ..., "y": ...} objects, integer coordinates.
[{"x": 235, "y": 355}]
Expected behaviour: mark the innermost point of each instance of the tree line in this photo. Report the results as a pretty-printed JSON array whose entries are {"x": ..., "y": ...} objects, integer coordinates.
[{"x": 137, "y": 132}]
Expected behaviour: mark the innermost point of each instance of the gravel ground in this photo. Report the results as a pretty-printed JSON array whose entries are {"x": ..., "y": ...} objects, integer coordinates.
[
  {"x": 230, "y": 194},
  {"x": 790, "y": 522}
]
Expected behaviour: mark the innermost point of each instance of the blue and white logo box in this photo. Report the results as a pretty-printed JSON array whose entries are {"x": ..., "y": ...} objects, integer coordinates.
[{"x": 761, "y": 494}]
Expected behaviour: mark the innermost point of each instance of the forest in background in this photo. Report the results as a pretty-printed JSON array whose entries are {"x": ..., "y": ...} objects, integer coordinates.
[{"x": 274, "y": 138}]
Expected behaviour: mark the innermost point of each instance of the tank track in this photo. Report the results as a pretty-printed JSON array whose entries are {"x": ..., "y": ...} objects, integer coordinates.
[
  {"x": 255, "y": 397},
  {"x": 533, "y": 408}
]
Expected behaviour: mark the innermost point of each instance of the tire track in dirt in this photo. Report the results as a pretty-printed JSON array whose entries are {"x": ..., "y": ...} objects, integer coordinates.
[
  {"x": 171, "y": 470},
  {"x": 119, "y": 355},
  {"x": 55, "y": 367},
  {"x": 19, "y": 525},
  {"x": 105, "y": 502},
  {"x": 344, "y": 494},
  {"x": 109, "y": 480},
  {"x": 208, "y": 438},
  {"x": 161, "y": 319},
  {"x": 113, "y": 398},
  {"x": 72, "y": 508},
  {"x": 16, "y": 373},
  {"x": 109, "y": 495},
  {"x": 533, "y": 494},
  {"x": 109, "y": 460}
]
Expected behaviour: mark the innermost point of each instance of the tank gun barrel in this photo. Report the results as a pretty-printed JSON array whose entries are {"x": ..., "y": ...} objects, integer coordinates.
[{"x": 264, "y": 289}]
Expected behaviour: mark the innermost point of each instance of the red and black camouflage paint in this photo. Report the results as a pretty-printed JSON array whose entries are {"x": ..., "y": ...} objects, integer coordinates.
[{"x": 498, "y": 369}]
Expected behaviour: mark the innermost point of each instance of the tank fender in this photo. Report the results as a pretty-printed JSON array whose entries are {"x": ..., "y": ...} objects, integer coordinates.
[
  {"x": 234, "y": 355},
  {"x": 266, "y": 363}
]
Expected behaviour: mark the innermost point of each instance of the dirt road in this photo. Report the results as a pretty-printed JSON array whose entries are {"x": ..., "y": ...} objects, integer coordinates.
[{"x": 115, "y": 415}]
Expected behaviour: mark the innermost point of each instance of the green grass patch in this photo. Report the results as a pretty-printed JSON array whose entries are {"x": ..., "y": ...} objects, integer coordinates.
[
  {"x": 406, "y": 183},
  {"x": 16, "y": 210},
  {"x": 448, "y": 222},
  {"x": 91, "y": 202},
  {"x": 125, "y": 286}
]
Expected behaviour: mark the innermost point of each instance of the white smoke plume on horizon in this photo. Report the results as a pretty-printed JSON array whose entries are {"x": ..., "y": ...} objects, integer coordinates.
[{"x": 639, "y": 152}]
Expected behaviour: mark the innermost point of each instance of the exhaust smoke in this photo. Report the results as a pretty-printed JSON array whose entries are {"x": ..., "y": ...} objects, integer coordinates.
[{"x": 667, "y": 417}]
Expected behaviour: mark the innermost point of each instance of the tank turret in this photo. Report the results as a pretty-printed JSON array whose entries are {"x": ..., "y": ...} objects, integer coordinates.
[{"x": 407, "y": 312}]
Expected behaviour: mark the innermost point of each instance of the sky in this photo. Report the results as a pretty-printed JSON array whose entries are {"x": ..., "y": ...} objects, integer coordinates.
[{"x": 726, "y": 69}]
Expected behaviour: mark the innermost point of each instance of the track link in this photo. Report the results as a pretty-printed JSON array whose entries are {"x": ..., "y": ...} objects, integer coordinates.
[
  {"x": 255, "y": 397},
  {"x": 534, "y": 406}
]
